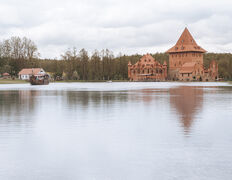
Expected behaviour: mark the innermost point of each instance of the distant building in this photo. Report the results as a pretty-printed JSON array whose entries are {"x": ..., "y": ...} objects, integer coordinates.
[
  {"x": 25, "y": 74},
  {"x": 6, "y": 76},
  {"x": 147, "y": 69},
  {"x": 186, "y": 61}
]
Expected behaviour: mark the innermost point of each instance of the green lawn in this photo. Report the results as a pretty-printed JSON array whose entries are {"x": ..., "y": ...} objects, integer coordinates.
[{"x": 10, "y": 81}]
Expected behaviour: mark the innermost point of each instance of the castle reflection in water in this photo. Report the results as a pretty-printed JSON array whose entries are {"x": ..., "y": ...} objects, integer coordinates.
[{"x": 187, "y": 101}]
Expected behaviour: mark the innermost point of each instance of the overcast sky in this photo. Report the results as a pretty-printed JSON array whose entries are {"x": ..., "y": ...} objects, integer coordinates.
[{"x": 130, "y": 27}]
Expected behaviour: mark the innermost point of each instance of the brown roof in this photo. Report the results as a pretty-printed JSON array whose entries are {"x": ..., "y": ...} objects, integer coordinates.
[
  {"x": 188, "y": 67},
  {"x": 30, "y": 71},
  {"x": 186, "y": 43}
]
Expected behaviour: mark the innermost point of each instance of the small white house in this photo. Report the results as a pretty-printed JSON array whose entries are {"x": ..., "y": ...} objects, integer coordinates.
[{"x": 25, "y": 74}]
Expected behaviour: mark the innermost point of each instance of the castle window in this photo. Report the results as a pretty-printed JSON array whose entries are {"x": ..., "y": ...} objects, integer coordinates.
[
  {"x": 145, "y": 60},
  {"x": 148, "y": 71}
]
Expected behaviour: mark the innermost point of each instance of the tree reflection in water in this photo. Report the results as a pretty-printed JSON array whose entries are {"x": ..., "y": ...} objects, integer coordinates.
[{"x": 15, "y": 106}]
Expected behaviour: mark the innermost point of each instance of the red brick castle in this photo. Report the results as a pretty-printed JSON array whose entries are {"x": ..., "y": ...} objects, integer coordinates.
[
  {"x": 147, "y": 69},
  {"x": 185, "y": 64}
]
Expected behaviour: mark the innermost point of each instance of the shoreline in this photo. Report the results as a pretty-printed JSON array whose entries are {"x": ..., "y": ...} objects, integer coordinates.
[{"x": 17, "y": 81}]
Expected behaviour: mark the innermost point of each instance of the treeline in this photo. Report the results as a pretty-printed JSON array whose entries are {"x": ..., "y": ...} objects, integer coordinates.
[{"x": 17, "y": 53}]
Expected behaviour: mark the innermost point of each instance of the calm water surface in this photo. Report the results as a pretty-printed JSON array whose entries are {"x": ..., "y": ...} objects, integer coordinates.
[{"x": 116, "y": 131}]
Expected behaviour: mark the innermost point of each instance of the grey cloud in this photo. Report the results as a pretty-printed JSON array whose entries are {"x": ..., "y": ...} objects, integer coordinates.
[{"x": 128, "y": 26}]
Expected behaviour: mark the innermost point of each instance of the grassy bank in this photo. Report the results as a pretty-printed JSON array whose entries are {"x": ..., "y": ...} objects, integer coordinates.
[
  {"x": 73, "y": 81},
  {"x": 10, "y": 81},
  {"x": 17, "y": 81}
]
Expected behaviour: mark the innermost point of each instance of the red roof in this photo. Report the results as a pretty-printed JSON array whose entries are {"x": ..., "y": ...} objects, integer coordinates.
[
  {"x": 30, "y": 71},
  {"x": 186, "y": 43},
  {"x": 5, "y": 74}
]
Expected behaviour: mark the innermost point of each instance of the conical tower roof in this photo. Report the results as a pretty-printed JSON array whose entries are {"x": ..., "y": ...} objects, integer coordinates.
[{"x": 186, "y": 43}]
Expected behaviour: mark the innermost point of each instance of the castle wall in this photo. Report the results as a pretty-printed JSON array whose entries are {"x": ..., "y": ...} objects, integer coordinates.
[
  {"x": 176, "y": 60},
  {"x": 147, "y": 69}
]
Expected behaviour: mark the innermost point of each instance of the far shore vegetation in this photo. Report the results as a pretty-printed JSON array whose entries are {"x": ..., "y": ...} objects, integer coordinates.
[
  {"x": 81, "y": 66},
  {"x": 11, "y": 81}
]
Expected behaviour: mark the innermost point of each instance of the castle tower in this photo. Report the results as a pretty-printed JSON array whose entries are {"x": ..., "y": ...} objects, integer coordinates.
[{"x": 185, "y": 50}]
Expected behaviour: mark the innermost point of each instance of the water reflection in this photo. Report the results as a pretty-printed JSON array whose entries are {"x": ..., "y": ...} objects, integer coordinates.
[
  {"x": 187, "y": 101},
  {"x": 16, "y": 104},
  {"x": 116, "y": 134}
]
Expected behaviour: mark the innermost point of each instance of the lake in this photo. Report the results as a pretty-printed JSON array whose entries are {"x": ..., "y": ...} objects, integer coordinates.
[{"x": 116, "y": 131}]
